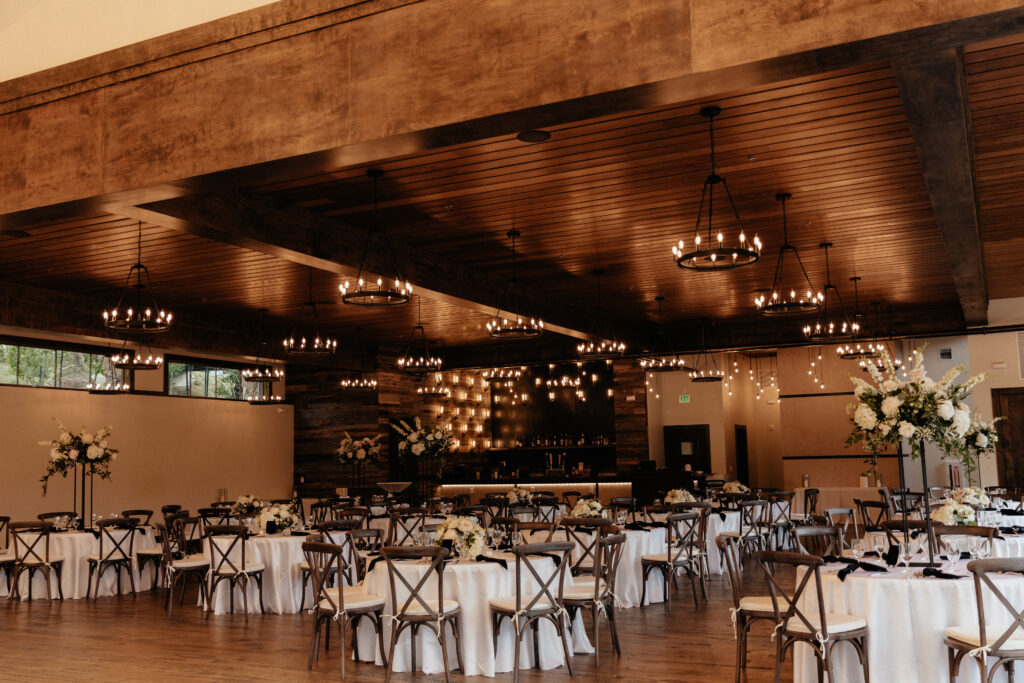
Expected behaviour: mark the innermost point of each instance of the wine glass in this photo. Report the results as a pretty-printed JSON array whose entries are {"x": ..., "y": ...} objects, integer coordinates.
[
  {"x": 984, "y": 548},
  {"x": 878, "y": 542},
  {"x": 857, "y": 548},
  {"x": 906, "y": 553}
]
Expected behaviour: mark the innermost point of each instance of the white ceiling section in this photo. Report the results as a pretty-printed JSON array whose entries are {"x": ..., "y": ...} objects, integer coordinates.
[{"x": 41, "y": 34}]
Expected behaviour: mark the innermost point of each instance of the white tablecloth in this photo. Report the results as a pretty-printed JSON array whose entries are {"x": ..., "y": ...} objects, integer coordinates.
[
  {"x": 906, "y": 623},
  {"x": 282, "y": 577},
  {"x": 716, "y": 525},
  {"x": 472, "y": 584},
  {"x": 1006, "y": 545},
  {"x": 75, "y": 547}
]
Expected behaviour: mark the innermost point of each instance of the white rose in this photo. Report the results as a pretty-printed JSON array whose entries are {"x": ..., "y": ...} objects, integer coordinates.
[
  {"x": 928, "y": 384},
  {"x": 361, "y": 454},
  {"x": 103, "y": 444},
  {"x": 946, "y": 410},
  {"x": 865, "y": 417},
  {"x": 65, "y": 438},
  {"x": 73, "y": 454},
  {"x": 413, "y": 438},
  {"x": 87, "y": 437},
  {"x": 906, "y": 429},
  {"x": 418, "y": 448},
  {"x": 890, "y": 404},
  {"x": 981, "y": 441},
  {"x": 430, "y": 437},
  {"x": 890, "y": 385},
  {"x": 961, "y": 422},
  {"x": 94, "y": 452},
  {"x": 915, "y": 373}
]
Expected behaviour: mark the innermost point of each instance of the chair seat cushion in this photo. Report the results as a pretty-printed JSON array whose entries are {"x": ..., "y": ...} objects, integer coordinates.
[
  {"x": 118, "y": 557},
  {"x": 509, "y": 604},
  {"x": 583, "y": 590},
  {"x": 355, "y": 599},
  {"x": 837, "y": 623},
  {"x": 972, "y": 636},
  {"x": 32, "y": 562},
  {"x": 416, "y": 609},
  {"x": 662, "y": 558},
  {"x": 150, "y": 552},
  {"x": 758, "y": 603},
  {"x": 7, "y": 555},
  {"x": 191, "y": 562},
  {"x": 250, "y": 568}
]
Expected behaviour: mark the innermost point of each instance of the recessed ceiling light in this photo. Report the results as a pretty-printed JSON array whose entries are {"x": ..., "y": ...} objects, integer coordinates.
[{"x": 533, "y": 136}]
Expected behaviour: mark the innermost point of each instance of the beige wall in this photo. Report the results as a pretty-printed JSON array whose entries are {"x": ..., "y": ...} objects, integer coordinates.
[{"x": 705, "y": 407}]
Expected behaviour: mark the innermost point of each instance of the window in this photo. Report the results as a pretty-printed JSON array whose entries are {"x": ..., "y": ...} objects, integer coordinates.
[
  {"x": 32, "y": 365},
  {"x": 203, "y": 380}
]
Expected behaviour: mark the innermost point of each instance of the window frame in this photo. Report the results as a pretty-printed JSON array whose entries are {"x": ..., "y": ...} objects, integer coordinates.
[
  {"x": 57, "y": 346},
  {"x": 197, "y": 361}
]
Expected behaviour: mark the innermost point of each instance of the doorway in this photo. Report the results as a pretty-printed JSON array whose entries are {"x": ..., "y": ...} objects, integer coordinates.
[
  {"x": 742, "y": 462},
  {"x": 688, "y": 445},
  {"x": 1009, "y": 403}
]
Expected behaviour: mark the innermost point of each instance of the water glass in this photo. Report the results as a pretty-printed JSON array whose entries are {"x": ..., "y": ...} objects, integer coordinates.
[
  {"x": 879, "y": 543},
  {"x": 857, "y": 548},
  {"x": 906, "y": 553},
  {"x": 984, "y": 549}
]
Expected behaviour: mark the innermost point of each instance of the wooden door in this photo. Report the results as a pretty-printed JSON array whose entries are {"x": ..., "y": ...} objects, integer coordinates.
[
  {"x": 1009, "y": 403},
  {"x": 688, "y": 445}
]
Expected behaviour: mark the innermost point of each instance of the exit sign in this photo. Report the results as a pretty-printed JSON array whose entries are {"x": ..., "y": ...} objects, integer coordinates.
[{"x": 684, "y": 398}]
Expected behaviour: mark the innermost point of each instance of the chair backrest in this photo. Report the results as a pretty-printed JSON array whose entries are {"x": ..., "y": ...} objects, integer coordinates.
[
  {"x": 546, "y": 597},
  {"x": 170, "y": 543},
  {"x": 143, "y": 516},
  {"x": 941, "y": 531},
  {"x": 168, "y": 509},
  {"x": 478, "y": 511},
  {"x": 914, "y": 502},
  {"x": 786, "y": 604},
  {"x": 61, "y": 520},
  {"x": 981, "y": 570},
  {"x": 817, "y": 540},
  {"x": 780, "y": 508},
  {"x": 893, "y": 529},
  {"x": 369, "y": 540},
  {"x": 227, "y": 548},
  {"x": 542, "y": 528},
  {"x": 872, "y": 513},
  {"x": 215, "y": 516},
  {"x": 753, "y": 517},
  {"x": 393, "y": 555},
  {"x": 521, "y": 511},
  {"x": 31, "y": 550},
  {"x": 811, "y": 501},
  {"x": 570, "y": 498},
  {"x": 320, "y": 511},
  {"x": 360, "y": 514},
  {"x": 584, "y": 532},
  {"x": 117, "y": 538},
  {"x": 325, "y": 560},
  {"x": 190, "y": 530},
  {"x": 660, "y": 510},
  {"x": 547, "y": 508},
  {"x": 403, "y": 529},
  {"x": 683, "y": 534},
  {"x": 5, "y": 532},
  {"x": 606, "y": 569},
  {"x": 507, "y": 528},
  {"x": 841, "y": 518},
  {"x": 730, "y": 556}
]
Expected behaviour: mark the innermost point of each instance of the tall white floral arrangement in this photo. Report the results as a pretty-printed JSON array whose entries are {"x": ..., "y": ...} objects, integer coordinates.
[
  {"x": 246, "y": 505},
  {"x": 971, "y": 495},
  {"x": 735, "y": 487},
  {"x": 79, "y": 448},
  {"x": 357, "y": 451},
  {"x": 953, "y": 513},
  {"x": 424, "y": 441},
  {"x": 465, "y": 533}
]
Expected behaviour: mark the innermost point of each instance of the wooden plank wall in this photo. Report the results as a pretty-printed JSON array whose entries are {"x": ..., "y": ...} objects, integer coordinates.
[{"x": 630, "y": 415}]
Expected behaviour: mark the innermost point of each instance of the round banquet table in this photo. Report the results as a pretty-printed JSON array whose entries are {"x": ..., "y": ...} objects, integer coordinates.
[
  {"x": 906, "y": 620},
  {"x": 472, "y": 584},
  {"x": 76, "y": 547},
  {"x": 1005, "y": 545},
  {"x": 282, "y": 577}
]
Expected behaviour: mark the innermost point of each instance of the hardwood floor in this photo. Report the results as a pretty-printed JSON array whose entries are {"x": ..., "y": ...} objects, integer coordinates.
[{"x": 121, "y": 639}]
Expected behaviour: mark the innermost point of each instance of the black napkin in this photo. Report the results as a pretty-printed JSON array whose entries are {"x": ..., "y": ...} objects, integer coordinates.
[
  {"x": 271, "y": 528},
  {"x": 722, "y": 515},
  {"x": 300, "y": 533},
  {"x": 554, "y": 557},
  {"x": 496, "y": 560},
  {"x": 832, "y": 558},
  {"x": 1013, "y": 513},
  {"x": 871, "y": 553},
  {"x": 637, "y": 526},
  {"x": 866, "y": 566},
  {"x": 380, "y": 517},
  {"x": 657, "y": 525},
  {"x": 963, "y": 556},
  {"x": 892, "y": 555},
  {"x": 377, "y": 557},
  {"x": 989, "y": 509},
  {"x": 935, "y": 573}
]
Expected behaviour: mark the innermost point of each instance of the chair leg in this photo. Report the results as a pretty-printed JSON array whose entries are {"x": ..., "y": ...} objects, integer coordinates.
[
  {"x": 245, "y": 597},
  {"x": 259, "y": 586},
  {"x": 563, "y": 632},
  {"x": 609, "y": 612},
  {"x": 741, "y": 636},
  {"x": 88, "y": 581},
  {"x": 643, "y": 591},
  {"x": 456, "y": 623},
  {"x": 341, "y": 645},
  {"x": 444, "y": 650},
  {"x": 517, "y": 634},
  {"x": 131, "y": 578},
  {"x": 170, "y": 595},
  {"x": 313, "y": 641},
  {"x": 595, "y": 620},
  {"x": 391, "y": 653},
  {"x": 379, "y": 625}
]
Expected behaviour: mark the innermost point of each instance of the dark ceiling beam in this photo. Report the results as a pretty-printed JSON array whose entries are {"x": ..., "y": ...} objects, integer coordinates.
[
  {"x": 934, "y": 93},
  {"x": 302, "y": 236}
]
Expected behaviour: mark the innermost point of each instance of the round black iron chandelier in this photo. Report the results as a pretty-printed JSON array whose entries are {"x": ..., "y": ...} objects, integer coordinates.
[
  {"x": 298, "y": 344},
  {"x": 418, "y": 358},
  {"x": 835, "y": 327},
  {"x": 137, "y": 313},
  {"x": 658, "y": 359},
  {"x": 856, "y": 350},
  {"x": 705, "y": 366},
  {"x": 715, "y": 253},
  {"x": 261, "y": 372},
  {"x": 358, "y": 383},
  {"x": 137, "y": 359},
  {"x": 515, "y": 326},
  {"x": 797, "y": 299},
  {"x": 606, "y": 346},
  {"x": 379, "y": 291},
  {"x": 434, "y": 387}
]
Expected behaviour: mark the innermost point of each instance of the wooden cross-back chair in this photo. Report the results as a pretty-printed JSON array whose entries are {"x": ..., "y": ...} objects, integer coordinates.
[
  {"x": 540, "y": 532},
  {"x": 364, "y": 542},
  {"x": 547, "y": 508},
  {"x": 336, "y": 532},
  {"x": 495, "y": 503},
  {"x": 218, "y": 516},
  {"x": 570, "y": 498},
  {"x": 32, "y": 555},
  {"x": 543, "y": 603},
  {"x": 526, "y": 513},
  {"x": 598, "y": 594},
  {"x": 320, "y": 511},
  {"x": 893, "y": 529},
  {"x": 229, "y": 562},
  {"x": 682, "y": 532},
  {"x": 6, "y": 551},
  {"x": 625, "y": 504},
  {"x": 841, "y": 519},
  {"x": 142, "y": 516},
  {"x": 748, "y": 610},
  {"x": 117, "y": 548},
  {"x": 817, "y": 540},
  {"x": 872, "y": 514},
  {"x": 753, "y": 532},
  {"x": 478, "y": 511},
  {"x": 656, "y": 513},
  {"x": 416, "y": 611},
  {"x": 780, "y": 519},
  {"x": 177, "y": 567},
  {"x": 60, "y": 520},
  {"x": 993, "y": 643},
  {"x": 345, "y": 606},
  {"x": 403, "y": 529},
  {"x": 584, "y": 532},
  {"x": 811, "y": 502},
  {"x": 820, "y": 630},
  {"x": 360, "y": 514}
]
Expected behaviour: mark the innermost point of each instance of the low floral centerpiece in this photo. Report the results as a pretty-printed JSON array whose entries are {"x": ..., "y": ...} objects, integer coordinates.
[
  {"x": 953, "y": 513},
  {"x": 246, "y": 505},
  {"x": 359, "y": 451},
  {"x": 277, "y": 519},
  {"x": 424, "y": 442},
  {"x": 84, "y": 448},
  {"x": 971, "y": 495},
  {"x": 679, "y": 496},
  {"x": 464, "y": 533},
  {"x": 519, "y": 496},
  {"x": 587, "y": 507},
  {"x": 735, "y": 487}
]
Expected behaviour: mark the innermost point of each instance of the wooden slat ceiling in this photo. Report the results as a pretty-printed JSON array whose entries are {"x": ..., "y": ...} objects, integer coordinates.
[
  {"x": 995, "y": 79},
  {"x": 617, "y": 192}
]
